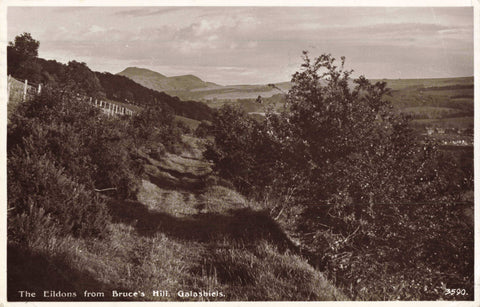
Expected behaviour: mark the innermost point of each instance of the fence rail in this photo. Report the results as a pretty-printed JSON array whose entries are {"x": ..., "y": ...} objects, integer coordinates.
[{"x": 30, "y": 90}]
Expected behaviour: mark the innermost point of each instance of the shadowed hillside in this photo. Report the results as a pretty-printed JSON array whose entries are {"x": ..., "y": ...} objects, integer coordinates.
[{"x": 124, "y": 89}]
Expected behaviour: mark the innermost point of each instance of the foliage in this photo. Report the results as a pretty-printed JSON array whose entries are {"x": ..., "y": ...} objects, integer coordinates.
[
  {"x": 23, "y": 49},
  {"x": 76, "y": 77},
  {"x": 25, "y": 46},
  {"x": 95, "y": 151},
  {"x": 23, "y": 63},
  {"x": 91, "y": 148},
  {"x": 44, "y": 198},
  {"x": 341, "y": 154},
  {"x": 241, "y": 150},
  {"x": 157, "y": 129},
  {"x": 59, "y": 151},
  {"x": 203, "y": 129}
]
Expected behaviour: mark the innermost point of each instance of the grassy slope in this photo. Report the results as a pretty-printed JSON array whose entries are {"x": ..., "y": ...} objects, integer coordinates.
[
  {"x": 185, "y": 232},
  {"x": 161, "y": 83}
]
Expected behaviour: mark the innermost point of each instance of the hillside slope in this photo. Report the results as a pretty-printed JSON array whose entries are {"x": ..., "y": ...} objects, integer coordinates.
[
  {"x": 159, "y": 82},
  {"x": 122, "y": 88},
  {"x": 184, "y": 235}
]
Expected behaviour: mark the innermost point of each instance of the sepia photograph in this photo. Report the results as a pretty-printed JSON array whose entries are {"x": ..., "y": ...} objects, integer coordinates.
[{"x": 239, "y": 153}]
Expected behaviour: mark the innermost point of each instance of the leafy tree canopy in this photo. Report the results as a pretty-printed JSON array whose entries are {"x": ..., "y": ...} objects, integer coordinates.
[{"x": 25, "y": 46}]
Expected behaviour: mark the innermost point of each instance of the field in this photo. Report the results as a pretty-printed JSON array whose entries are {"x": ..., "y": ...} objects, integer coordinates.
[
  {"x": 436, "y": 102},
  {"x": 454, "y": 122}
]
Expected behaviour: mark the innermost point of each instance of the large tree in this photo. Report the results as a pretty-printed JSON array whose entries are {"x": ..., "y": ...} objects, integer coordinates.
[
  {"x": 24, "y": 49},
  {"x": 25, "y": 46}
]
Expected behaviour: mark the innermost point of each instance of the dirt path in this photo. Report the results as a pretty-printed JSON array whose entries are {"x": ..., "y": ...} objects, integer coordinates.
[{"x": 176, "y": 183}]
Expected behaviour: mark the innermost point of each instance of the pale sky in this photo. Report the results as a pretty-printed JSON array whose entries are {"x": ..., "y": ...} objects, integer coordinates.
[{"x": 250, "y": 45}]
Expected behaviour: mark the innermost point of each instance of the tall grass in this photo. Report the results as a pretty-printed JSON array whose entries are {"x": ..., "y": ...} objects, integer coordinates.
[{"x": 63, "y": 235}]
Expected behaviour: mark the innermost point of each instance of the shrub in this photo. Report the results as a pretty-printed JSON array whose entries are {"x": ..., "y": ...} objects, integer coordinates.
[
  {"x": 59, "y": 151},
  {"x": 44, "y": 199},
  {"x": 155, "y": 125},
  {"x": 93, "y": 149},
  {"x": 242, "y": 151},
  {"x": 203, "y": 129},
  {"x": 342, "y": 155}
]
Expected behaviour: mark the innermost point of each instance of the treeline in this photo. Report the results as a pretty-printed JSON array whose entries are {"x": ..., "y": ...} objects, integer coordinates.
[
  {"x": 23, "y": 63},
  {"x": 372, "y": 203}
]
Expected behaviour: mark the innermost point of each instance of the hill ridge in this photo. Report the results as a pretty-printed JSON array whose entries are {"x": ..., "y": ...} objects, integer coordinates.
[{"x": 159, "y": 82}]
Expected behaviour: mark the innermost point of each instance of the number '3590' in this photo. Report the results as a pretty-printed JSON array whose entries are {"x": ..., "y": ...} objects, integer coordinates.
[{"x": 455, "y": 291}]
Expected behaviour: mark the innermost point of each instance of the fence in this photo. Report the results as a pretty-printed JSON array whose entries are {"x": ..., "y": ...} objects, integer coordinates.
[
  {"x": 22, "y": 91},
  {"x": 110, "y": 108}
]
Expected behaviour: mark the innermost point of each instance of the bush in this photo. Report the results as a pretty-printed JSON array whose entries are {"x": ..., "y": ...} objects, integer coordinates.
[
  {"x": 43, "y": 198},
  {"x": 93, "y": 149},
  {"x": 341, "y": 154},
  {"x": 242, "y": 152},
  {"x": 59, "y": 151},
  {"x": 204, "y": 129},
  {"x": 156, "y": 125}
]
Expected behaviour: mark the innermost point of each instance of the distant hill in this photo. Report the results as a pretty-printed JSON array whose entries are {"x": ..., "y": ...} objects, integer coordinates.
[
  {"x": 157, "y": 81},
  {"x": 121, "y": 88},
  {"x": 81, "y": 79},
  {"x": 423, "y": 99},
  {"x": 190, "y": 87}
]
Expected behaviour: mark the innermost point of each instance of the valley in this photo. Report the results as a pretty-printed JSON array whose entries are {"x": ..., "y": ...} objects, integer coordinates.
[{"x": 433, "y": 104}]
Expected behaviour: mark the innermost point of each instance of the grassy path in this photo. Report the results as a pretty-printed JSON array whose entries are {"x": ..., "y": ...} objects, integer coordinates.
[{"x": 182, "y": 235}]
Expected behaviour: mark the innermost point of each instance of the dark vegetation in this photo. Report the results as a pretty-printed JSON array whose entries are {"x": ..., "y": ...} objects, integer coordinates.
[
  {"x": 375, "y": 205},
  {"x": 65, "y": 235},
  {"x": 75, "y": 224},
  {"x": 62, "y": 151},
  {"x": 56, "y": 147},
  {"x": 23, "y": 63}
]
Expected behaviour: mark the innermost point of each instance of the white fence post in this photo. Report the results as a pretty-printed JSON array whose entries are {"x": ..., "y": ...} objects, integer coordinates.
[
  {"x": 9, "y": 85},
  {"x": 25, "y": 90}
]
